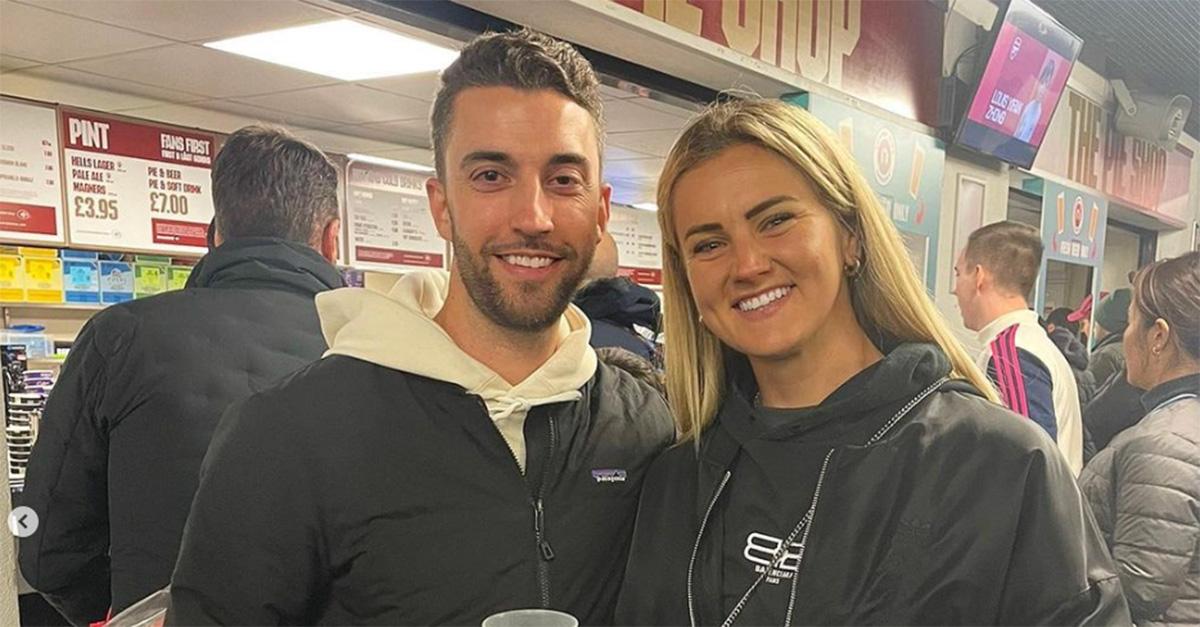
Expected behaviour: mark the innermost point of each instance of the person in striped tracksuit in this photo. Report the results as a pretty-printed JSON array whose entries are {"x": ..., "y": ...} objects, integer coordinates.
[{"x": 993, "y": 276}]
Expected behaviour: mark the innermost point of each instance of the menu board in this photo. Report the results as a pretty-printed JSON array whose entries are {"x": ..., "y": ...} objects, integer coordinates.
[
  {"x": 136, "y": 186},
  {"x": 30, "y": 182},
  {"x": 389, "y": 226},
  {"x": 1073, "y": 225},
  {"x": 639, "y": 244}
]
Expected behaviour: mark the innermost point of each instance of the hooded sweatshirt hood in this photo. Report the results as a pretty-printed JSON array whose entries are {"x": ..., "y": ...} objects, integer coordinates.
[{"x": 397, "y": 330}]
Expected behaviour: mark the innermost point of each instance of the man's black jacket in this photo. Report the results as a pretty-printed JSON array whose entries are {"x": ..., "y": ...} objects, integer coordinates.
[{"x": 117, "y": 459}]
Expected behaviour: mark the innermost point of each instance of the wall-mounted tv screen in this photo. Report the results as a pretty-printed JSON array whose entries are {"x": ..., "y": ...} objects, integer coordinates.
[{"x": 1026, "y": 72}]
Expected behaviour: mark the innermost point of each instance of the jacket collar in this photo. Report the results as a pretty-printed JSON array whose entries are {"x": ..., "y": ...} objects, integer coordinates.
[
  {"x": 1164, "y": 392},
  {"x": 265, "y": 262},
  {"x": 1004, "y": 321}
]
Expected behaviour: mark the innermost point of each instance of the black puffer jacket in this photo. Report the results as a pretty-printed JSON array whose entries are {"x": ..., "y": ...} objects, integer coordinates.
[
  {"x": 963, "y": 513},
  {"x": 1145, "y": 492},
  {"x": 117, "y": 461},
  {"x": 355, "y": 494}
]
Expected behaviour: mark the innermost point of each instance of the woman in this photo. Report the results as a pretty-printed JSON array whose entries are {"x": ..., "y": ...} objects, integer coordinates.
[
  {"x": 845, "y": 463},
  {"x": 1145, "y": 486}
]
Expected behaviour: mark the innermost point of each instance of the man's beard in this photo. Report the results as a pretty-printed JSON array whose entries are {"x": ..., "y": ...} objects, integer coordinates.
[{"x": 523, "y": 311}]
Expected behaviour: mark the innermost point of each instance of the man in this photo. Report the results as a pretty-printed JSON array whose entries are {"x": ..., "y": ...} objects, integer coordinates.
[
  {"x": 1108, "y": 354},
  {"x": 993, "y": 277},
  {"x": 117, "y": 461},
  {"x": 458, "y": 452},
  {"x": 616, "y": 306},
  {"x": 1063, "y": 333}
]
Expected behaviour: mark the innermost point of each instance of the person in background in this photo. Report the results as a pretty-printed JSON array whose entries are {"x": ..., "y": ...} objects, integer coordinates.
[
  {"x": 1063, "y": 333},
  {"x": 1111, "y": 319},
  {"x": 845, "y": 462},
  {"x": 617, "y": 306},
  {"x": 1082, "y": 316},
  {"x": 1032, "y": 113},
  {"x": 118, "y": 457},
  {"x": 459, "y": 451},
  {"x": 993, "y": 277},
  {"x": 1144, "y": 487}
]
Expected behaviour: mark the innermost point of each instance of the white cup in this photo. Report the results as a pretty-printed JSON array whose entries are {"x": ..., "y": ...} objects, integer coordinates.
[{"x": 531, "y": 618}]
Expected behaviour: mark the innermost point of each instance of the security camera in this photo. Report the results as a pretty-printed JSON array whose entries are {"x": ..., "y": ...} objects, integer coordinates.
[{"x": 1156, "y": 118}]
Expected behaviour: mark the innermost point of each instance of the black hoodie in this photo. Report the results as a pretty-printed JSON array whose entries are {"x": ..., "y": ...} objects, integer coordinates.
[
  {"x": 614, "y": 306},
  {"x": 117, "y": 459},
  {"x": 960, "y": 512},
  {"x": 1077, "y": 357}
]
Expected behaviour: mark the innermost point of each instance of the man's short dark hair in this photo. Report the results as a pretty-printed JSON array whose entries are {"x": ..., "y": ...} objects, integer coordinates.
[
  {"x": 270, "y": 183},
  {"x": 1011, "y": 251},
  {"x": 521, "y": 59}
]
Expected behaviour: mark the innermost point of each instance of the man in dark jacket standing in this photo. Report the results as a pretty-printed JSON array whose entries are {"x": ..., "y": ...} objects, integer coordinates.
[
  {"x": 459, "y": 452},
  {"x": 617, "y": 306},
  {"x": 118, "y": 457}
]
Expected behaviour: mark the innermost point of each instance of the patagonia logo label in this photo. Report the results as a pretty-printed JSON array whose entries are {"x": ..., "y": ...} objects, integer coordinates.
[{"x": 608, "y": 475}]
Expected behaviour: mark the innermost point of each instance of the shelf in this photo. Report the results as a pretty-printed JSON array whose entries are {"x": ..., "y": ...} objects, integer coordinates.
[{"x": 63, "y": 306}]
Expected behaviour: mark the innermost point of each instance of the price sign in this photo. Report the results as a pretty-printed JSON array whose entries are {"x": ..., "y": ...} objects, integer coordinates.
[
  {"x": 639, "y": 244},
  {"x": 30, "y": 181},
  {"x": 137, "y": 186},
  {"x": 389, "y": 224}
]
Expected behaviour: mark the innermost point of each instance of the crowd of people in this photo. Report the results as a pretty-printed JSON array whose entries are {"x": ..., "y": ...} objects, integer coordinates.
[{"x": 808, "y": 444}]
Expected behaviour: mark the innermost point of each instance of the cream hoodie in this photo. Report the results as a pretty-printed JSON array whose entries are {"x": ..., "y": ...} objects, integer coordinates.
[{"x": 396, "y": 330}]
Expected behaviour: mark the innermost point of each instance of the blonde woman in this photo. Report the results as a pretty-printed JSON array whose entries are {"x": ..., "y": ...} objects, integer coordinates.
[{"x": 844, "y": 461}]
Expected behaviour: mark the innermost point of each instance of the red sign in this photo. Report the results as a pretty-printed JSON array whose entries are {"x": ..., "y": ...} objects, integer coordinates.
[
  {"x": 179, "y": 233},
  {"x": 28, "y": 218},
  {"x": 888, "y": 53},
  {"x": 642, "y": 276},
  {"x": 140, "y": 141},
  {"x": 398, "y": 257}
]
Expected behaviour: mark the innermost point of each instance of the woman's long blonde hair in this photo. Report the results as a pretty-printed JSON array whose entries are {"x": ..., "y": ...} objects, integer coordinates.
[{"x": 888, "y": 297}]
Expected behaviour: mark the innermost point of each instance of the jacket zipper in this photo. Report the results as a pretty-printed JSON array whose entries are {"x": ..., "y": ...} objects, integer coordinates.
[
  {"x": 696, "y": 547},
  {"x": 544, "y": 550}
]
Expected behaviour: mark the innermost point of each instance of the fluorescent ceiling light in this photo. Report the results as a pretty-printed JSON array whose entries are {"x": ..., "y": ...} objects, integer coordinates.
[
  {"x": 645, "y": 206},
  {"x": 391, "y": 163},
  {"x": 344, "y": 49}
]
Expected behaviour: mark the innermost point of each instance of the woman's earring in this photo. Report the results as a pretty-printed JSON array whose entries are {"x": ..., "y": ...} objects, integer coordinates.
[{"x": 854, "y": 268}]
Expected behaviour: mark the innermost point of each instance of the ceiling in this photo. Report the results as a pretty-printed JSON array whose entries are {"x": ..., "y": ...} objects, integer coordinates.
[
  {"x": 144, "y": 58},
  {"x": 1155, "y": 41}
]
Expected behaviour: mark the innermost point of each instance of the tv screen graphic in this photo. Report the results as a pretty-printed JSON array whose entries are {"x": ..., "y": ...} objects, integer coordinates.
[{"x": 1026, "y": 73}]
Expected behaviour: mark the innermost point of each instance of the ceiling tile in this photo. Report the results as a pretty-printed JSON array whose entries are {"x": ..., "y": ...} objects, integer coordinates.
[
  {"x": 423, "y": 86},
  {"x": 625, "y": 115},
  {"x": 32, "y": 33},
  {"x": 644, "y": 169},
  {"x": 85, "y": 79},
  {"x": 192, "y": 20},
  {"x": 662, "y": 107},
  {"x": 657, "y": 143},
  {"x": 617, "y": 153},
  {"x": 24, "y": 84},
  {"x": 9, "y": 63},
  {"x": 191, "y": 116},
  {"x": 198, "y": 70},
  {"x": 337, "y": 142},
  {"x": 269, "y": 116},
  {"x": 344, "y": 103},
  {"x": 413, "y": 132}
]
